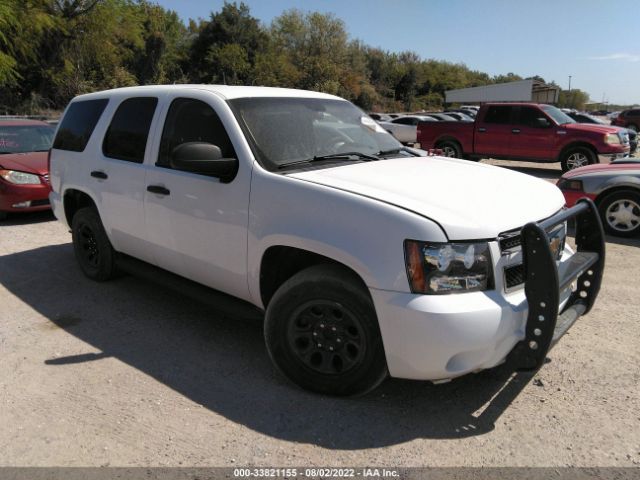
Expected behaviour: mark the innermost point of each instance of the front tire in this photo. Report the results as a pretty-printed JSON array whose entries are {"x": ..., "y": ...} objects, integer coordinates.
[
  {"x": 620, "y": 213},
  {"x": 322, "y": 332},
  {"x": 92, "y": 248},
  {"x": 577, "y": 157}
]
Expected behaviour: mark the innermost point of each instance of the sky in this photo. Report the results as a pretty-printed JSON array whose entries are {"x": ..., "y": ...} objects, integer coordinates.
[{"x": 596, "y": 42}]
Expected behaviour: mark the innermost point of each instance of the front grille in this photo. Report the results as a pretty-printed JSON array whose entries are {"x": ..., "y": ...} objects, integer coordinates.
[
  {"x": 513, "y": 276},
  {"x": 510, "y": 242}
]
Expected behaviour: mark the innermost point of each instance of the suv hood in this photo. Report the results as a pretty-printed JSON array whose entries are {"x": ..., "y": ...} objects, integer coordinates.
[
  {"x": 468, "y": 200},
  {"x": 32, "y": 162}
]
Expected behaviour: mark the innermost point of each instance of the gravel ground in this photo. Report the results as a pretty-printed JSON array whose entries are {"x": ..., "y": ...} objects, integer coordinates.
[{"x": 127, "y": 373}]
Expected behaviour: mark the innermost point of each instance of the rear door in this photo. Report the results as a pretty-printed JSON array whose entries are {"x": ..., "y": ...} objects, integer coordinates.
[
  {"x": 119, "y": 175},
  {"x": 198, "y": 225},
  {"x": 494, "y": 131}
]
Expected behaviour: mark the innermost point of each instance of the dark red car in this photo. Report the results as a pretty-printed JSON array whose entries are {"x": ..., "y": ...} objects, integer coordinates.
[
  {"x": 615, "y": 188},
  {"x": 628, "y": 119},
  {"x": 24, "y": 175}
]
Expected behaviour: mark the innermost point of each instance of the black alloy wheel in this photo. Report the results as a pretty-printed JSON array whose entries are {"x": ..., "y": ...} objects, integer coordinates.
[
  {"x": 326, "y": 337},
  {"x": 92, "y": 248},
  {"x": 322, "y": 333}
]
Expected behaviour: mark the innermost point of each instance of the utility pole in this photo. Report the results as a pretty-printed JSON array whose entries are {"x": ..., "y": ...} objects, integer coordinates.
[{"x": 569, "y": 95}]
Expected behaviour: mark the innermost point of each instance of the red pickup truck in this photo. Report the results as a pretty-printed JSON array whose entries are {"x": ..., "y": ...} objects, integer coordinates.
[{"x": 526, "y": 131}]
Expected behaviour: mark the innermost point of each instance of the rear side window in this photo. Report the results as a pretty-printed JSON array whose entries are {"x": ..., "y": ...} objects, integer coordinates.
[
  {"x": 126, "y": 137},
  {"x": 78, "y": 124},
  {"x": 498, "y": 114},
  {"x": 633, "y": 113}
]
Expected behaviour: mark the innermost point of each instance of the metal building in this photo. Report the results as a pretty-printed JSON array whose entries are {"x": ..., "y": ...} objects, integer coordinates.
[{"x": 521, "y": 91}]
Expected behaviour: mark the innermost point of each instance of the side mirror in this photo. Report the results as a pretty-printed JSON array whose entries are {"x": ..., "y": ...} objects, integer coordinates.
[
  {"x": 541, "y": 122},
  {"x": 205, "y": 158}
]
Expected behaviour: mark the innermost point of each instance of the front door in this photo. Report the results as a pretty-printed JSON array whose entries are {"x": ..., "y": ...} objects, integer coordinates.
[
  {"x": 533, "y": 134},
  {"x": 197, "y": 224}
]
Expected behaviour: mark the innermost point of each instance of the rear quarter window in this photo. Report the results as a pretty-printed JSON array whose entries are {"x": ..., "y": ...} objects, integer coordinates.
[{"x": 78, "y": 124}]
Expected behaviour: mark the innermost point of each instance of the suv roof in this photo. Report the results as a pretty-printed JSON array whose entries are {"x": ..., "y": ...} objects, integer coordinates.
[{"x": 225, "y": 91}]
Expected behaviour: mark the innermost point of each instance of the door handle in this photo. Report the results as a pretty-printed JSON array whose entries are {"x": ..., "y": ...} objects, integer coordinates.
[
  {"x": 482, "y": 129},
  {"x": 159, "y": 189},
  {"x": 515, "y": 130},
  {"x": 99, "y": 174}
]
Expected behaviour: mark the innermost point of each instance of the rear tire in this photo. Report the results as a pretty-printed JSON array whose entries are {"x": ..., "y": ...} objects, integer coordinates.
[
  {"x": 91, "y": 246},
  {"x": 577, "y": 157},
  {"x": 322, "y": 332},
  {"x": 450, "y": 149},
  {"x": 633, "y": 126},
  {"x": 620, "y": 213}
]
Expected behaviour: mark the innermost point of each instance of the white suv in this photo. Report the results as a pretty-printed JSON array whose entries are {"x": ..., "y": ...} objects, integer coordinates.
[{"x": 366, "y": 258}]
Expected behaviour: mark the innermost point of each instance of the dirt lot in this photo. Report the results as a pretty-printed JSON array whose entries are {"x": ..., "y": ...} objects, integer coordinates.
[{"x": 126, "y": 373}]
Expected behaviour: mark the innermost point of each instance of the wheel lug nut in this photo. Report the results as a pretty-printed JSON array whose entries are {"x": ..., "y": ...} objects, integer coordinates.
[
  {"x": 339, "y": 340},
  {"x": 331, "y": 348},
  {"x": 333, "y": 329},
  {"x": 319, "y": 345},
  {"x": 322, "y": 325},
  {"x": 315, "y": 334}
]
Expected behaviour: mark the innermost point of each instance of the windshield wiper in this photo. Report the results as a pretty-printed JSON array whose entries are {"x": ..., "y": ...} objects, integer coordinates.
[
  {"x": 398, "y": 150},
  {"x": 332, "y": 156}
]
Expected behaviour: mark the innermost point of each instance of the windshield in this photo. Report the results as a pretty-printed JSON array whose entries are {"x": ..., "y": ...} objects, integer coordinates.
[
  {"x": 286, "y": 130},
  {"x": 25, "y": 138},
  {"x": 558, "y": 115}
]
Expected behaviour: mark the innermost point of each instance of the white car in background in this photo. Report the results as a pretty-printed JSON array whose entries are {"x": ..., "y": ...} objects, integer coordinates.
[{"x": 405, "y": 128}]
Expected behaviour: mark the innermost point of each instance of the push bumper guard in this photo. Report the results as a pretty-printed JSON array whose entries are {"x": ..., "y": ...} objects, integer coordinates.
[{"x": 544, "y": 281}]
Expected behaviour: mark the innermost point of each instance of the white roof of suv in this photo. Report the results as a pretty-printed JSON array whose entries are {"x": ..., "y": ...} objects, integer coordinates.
[{"x": 227, "y": 92}]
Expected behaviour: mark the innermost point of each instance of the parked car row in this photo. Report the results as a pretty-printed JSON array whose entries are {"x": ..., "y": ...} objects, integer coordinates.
[{"x": 404, "y": 128}]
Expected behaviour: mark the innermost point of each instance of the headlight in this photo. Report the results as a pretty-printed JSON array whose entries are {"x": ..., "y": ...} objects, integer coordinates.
[
  {"x": 566, "y": 184},
  {"x": 439, "y": 268},
  {"x": 612, "y": 139},
  {"x": 20, "y": 178}
]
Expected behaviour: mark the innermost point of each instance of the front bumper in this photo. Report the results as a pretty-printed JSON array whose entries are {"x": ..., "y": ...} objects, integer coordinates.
[
  {"x": 441, "y": 337},
  {"x": 24, "y": 198}
]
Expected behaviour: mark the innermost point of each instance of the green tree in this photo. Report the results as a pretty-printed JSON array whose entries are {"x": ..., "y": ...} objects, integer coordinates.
[
  {"x": 315, "y": 45},
  {"x": 165, "y": 40},
  {"x": 575, "y": 98},
  {"x": 233, "y": 25},
  {"x": 22, "y": 24}
]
